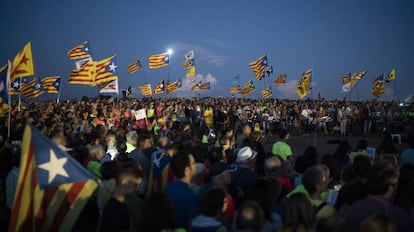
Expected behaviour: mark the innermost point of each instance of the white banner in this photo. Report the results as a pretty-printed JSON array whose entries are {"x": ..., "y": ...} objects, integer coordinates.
[
  {"x": 80, "y": 63},
  {"x": 140, "y": 114},
  {"x": 111, "y": 87}
]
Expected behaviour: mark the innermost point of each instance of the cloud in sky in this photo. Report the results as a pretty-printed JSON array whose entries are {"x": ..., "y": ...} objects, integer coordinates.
[
  {"x": 200, "y": 53},
  {"x": 189, "y": 82},
  {"x": 288, "y": 89}
]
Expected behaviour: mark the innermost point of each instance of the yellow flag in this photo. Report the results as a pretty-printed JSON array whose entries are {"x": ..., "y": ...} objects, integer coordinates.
[
  {"x": 22, "y": 64},
  {"x": 191, "y": 72},
  {"x": 391, "y": 76},
  {"x": 301, "y": 90}
]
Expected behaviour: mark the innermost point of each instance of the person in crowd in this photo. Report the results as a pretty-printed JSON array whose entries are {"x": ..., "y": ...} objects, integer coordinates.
[
  {"x": 131, "y": 141},
  {"x": 382, "y": 182},
  {"x": 244, "y": 174},
  {"x": 315, "y": 180},
  {"x": 96, "y": 152},
  {"x": 378, "y": 222},
  {"x": 407, "y": 156},
  {"x": 300, "y": 214},
  {"x": 250, "y": 217},
  {"x": 157, "y": 215},
  {"x": 281, "y": 147},
  {"x": 246, "y": 132},
  {"x": 405, "y": 189},
  {"x": 116, "y": 216},
  {"x": 213, "y": 206},
  {"x": 183, "y": 198}
]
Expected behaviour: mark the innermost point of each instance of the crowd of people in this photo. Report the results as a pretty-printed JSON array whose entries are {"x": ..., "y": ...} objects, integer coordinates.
[{"x": 202, "y": 164}]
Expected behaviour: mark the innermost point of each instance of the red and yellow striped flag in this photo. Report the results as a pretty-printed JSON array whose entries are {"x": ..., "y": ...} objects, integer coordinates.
[
  {"x": 52, "y": 187},
  {"x": 80, "y": 51},
  {"x": 235, "y": 89},
  {"x": 259, "y": 66},
  {"x": 145, "y": 90},
  {"x": 106, "y": 70},
  {"x": 51, "y": 84},
  {"x": 85, "y": 75},
  {"x": 176, "y": 85},
  {"x": 135, "y": 66},
  {"x": 266, "y": 93},
  {"x": 280, "y": 80},
  {"x": 159, "y": 60}
]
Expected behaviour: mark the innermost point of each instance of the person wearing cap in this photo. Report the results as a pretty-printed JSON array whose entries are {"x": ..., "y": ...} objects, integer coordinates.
[{"x": 244, "y": 174}]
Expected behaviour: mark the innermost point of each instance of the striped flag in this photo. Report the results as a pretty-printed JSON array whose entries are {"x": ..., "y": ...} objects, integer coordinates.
[
  {"x": 159, "y": 60},
  {"x": 145, "y": 90},
  {"x": 378, "y": 81},
  {"x": 360, "y": 75},
  {"x": 266, "y": 93},
  {"x": 30, "y": 90},
  {"x": 85, "y": 75},
  {"x": 81, "y": 51},
  {"x": 248, "y": 88},
  {"x": 188, "y": 63},
  {"x": 191, "y": 72},
  {"x": 280, "y": 80},
  {"x": 135, "y": 66},
  {"x": 52, "y": 187},
  {"x": 51, "y": 84},
  {"x": 346, "y": 78},
  {"x": 205, "y": 86},
  {"x": 109, "y": 87},
  {"x": 176, "y": 85},
  {"x": 391, "y": 76},
  {"x": 259, "y": 66},
  {"x": 196, "y": 87},
  {"x": 106, "y": 70},
  {"x": 159, "y": 88},
  {"x": 22, "y": 64},
  {"x": 235, "y": 89}
]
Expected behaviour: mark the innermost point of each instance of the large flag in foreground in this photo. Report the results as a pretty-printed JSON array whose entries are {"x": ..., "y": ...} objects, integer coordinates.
[
  {"x": 52, "y": 187},
  {"x": 22, "y": 64},
  {"x": 51, "y": 84},
  {"x": 80, "y": 51},
  {"x": 159, "y": 60},
  {"x": 259, "y": 66}
]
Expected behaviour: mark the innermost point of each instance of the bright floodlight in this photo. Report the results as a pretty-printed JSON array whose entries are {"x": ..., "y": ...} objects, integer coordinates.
[{"x": 170, "y": 51}]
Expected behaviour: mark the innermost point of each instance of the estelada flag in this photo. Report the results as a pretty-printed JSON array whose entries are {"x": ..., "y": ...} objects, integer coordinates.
[
  {"x": 52, "y": 187},
  {"x": 159, "y": 60}
]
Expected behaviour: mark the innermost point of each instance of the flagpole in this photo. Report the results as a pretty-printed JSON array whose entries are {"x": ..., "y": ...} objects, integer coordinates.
[
  {"x": 395, "y": 88},
  {"x": 9, "y": 100},
  {"x": 60, "y": 86}
]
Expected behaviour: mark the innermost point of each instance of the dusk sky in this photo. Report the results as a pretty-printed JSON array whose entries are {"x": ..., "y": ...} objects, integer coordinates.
[{"x": 331, "y": 37}]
